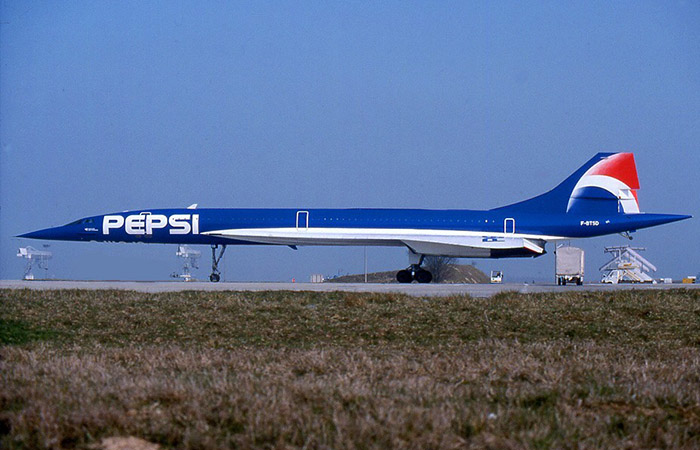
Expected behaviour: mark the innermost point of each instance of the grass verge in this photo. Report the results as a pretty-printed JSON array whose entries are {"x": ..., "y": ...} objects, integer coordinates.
[{"x": 348, "y": 370}]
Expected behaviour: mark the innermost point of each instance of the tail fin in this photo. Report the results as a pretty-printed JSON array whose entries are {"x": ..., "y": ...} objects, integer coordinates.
[{"x": 606, "y": 184}]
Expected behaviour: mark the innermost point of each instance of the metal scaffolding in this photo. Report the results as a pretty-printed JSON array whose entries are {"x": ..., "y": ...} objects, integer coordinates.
[
  {"x": 190, "y": 258},
  {"x": 627, "y": 266},
  {"x": 34, "y": 257}
]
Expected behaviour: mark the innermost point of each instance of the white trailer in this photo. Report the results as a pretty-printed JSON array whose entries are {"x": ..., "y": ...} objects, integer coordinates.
[
  {"x": 569, "y": 265},
  {"x": 317, "y": 278}
]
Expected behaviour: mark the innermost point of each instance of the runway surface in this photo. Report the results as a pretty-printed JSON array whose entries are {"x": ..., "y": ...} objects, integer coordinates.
[{"x": 420, "y": 290}]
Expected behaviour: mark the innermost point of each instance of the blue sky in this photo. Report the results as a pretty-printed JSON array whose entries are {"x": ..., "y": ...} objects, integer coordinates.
[{"x": 108, "y": 106}]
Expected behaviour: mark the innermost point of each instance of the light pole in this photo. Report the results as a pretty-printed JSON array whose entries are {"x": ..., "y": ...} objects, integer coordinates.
[{"x": 365, "y": 264}]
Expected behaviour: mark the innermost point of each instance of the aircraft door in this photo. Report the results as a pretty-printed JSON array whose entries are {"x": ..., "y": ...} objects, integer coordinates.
[
  {"x": 302, "y": 220},
  {"x": 509, "y": 226}
]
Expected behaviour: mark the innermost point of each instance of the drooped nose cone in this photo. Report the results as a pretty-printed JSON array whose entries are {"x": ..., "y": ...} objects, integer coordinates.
[{"x": 56, "y": 233}]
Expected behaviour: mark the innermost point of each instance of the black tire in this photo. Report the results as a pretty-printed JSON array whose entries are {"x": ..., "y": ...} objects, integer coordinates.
[
  {"x": 579, "y": 282},
  {"x": 404, "y": 276},
  {"x": 423, "y": 276},
  {"x": 563, "y": 281},
  {"x": 214, "y": 277}
]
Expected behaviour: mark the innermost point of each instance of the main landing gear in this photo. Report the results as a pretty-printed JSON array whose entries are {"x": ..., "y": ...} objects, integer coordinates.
[
  {"x": 215, "y": 274},
  {"x": 414, "y": 271}
]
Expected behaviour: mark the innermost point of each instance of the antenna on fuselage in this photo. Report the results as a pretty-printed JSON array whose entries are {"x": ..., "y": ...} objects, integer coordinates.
[{"x": 192, "y": 206}]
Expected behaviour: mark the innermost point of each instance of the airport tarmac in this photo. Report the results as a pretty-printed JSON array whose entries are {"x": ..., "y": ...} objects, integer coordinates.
[{"x": 420, "y": 290}]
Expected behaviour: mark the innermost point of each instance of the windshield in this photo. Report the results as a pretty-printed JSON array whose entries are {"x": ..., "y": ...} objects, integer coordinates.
[{"x": 79, "y": 221}]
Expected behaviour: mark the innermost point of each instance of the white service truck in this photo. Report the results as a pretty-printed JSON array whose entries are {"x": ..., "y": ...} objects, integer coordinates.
[
  {"x": 496, "y": 276},
  {"x": 569, "y": 265}
]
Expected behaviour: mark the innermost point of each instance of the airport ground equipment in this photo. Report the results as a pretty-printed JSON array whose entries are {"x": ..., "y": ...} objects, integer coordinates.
[
  {"x": 598, "y": 199},
  {"x": 190, "y": 260},
  {"x": 569, "y": 265},
  {"x": 496, "y": 277},
  {"x": 627, "y": 266},
  {"x": 40, "y": 258},
  {"x": 317, "y": 278}
]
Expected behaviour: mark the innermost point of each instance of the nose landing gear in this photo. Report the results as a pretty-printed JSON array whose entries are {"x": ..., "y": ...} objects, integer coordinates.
[{"x": 215, "y": 273}]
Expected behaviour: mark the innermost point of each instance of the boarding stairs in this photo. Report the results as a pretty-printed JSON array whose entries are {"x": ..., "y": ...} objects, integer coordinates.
[
  {"x": 627, "y": 266},
  {"x": 190, "y": 260},
  {"x": 34, "y": 257}
]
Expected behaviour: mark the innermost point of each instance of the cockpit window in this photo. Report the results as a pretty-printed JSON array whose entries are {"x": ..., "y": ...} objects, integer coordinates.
[{"x": 79, "y": 221}]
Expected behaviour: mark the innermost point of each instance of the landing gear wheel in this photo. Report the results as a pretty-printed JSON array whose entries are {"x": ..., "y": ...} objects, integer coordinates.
[
  {"x": 404, "y": 276},
  {"x": 215, "y": 277},
  {"x": 423, "y": 276}
]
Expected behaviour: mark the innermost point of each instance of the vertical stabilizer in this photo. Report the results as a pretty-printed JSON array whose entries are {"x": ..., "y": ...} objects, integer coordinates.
[{"x": 606, "y": 184}]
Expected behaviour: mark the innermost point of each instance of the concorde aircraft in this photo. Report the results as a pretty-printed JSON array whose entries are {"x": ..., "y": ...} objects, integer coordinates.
[{"x": 600, "y": 198}]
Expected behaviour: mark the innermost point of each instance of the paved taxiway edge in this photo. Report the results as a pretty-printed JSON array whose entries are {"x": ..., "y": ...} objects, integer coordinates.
[{"x": 419, "y": 290}]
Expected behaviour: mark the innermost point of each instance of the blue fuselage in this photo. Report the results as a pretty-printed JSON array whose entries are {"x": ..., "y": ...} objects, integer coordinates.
[{"x": 189, "y": 226}]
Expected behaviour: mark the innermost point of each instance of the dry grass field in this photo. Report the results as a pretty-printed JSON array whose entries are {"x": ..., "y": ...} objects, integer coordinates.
[{"x": 190, "y": 370}]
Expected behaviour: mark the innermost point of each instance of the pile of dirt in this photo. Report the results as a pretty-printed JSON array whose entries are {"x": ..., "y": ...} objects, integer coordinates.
[{"x": 457, "y": 273}]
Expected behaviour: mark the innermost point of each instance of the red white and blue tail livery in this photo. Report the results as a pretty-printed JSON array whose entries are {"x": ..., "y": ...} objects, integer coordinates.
[
  {"x": 600, "y": 198},
  {"x": 612, "y": 177}
]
